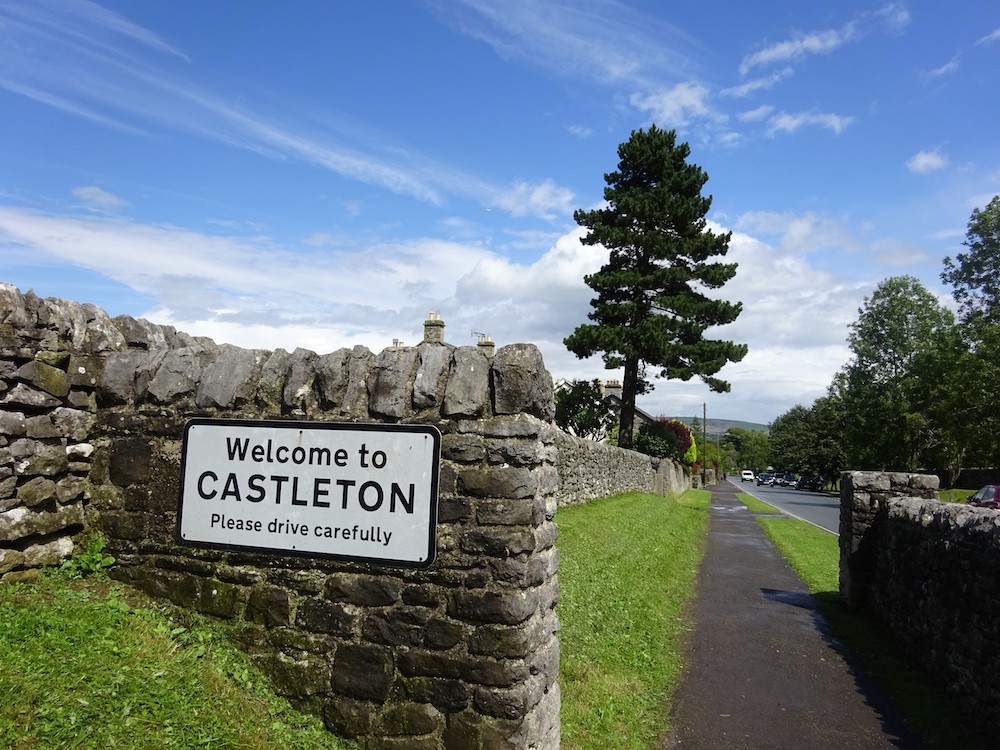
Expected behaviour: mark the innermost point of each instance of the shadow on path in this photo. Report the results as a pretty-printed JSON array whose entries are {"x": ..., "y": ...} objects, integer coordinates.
[{"x": 762, "y": 669}]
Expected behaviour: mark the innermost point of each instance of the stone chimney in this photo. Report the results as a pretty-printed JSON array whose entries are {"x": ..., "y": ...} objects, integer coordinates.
[
  {"x": 613, "y": 388},
  {"x": 434, "y": 328},
  {"x": 486, "y": 345}
]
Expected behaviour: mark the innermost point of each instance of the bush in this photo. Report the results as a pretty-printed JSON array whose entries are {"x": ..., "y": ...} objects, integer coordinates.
[{"x": 667, "y": 438}]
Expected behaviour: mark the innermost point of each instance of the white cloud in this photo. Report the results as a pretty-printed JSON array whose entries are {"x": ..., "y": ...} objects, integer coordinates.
[
  {"x": 98, "y": 80},
  {"x": 926, "y": 161},
  {"x": 993, "y": 36},
  {"x": 789, "y": 123},
  {"x": 603, "y": 39},
  {"x": 894, "y": 17},
  {"x": 545, "y": 199},
  {"x": 675, "y": 107},
  {"x": 793, "y": 50},
  {"x": 947, "y": 69},
  {"x": 756, "y": 115},
  {"x": 259, "y": 295},
  {"x": 757, "y": 84},
  {"x": 96, "y": 199}
]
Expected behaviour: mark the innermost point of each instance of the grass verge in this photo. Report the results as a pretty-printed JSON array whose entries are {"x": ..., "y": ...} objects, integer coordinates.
[
  {"x": 756, "y": 506},
  {"x": 93, "y": 664},
  {"x": 628, "y": 565},
  {"x": 814, "y": 553}
]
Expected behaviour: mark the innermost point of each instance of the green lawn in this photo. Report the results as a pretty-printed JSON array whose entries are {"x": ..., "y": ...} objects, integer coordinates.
[
  {"x": 628, "y": 565},
  {"x": 92, "y": 664}
]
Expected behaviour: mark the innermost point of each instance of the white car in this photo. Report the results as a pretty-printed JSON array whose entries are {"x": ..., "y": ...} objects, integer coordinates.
[{"x": 746, "y": 475}]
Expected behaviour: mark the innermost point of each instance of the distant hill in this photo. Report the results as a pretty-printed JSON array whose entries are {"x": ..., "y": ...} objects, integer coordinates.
[{"x": 719, "y": 426}]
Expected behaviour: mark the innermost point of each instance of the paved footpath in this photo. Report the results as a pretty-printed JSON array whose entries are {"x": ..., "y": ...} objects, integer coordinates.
[{"x": 762, "y": 671}]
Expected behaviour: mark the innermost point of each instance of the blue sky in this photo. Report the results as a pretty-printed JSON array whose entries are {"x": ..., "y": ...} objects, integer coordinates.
[{"x": 323, "y": 174}]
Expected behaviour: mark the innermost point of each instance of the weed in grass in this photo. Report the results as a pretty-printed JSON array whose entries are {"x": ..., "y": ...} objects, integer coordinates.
[
  {"x": 628, "y": 566},
  {"x": 91, "y": 561}
]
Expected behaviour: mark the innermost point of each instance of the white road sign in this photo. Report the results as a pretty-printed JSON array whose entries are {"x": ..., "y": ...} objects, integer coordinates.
[{"x": 360, "y": 492}]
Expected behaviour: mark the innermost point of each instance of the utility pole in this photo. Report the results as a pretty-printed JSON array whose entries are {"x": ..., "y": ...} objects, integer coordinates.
[{"x": 704, "y": 443}]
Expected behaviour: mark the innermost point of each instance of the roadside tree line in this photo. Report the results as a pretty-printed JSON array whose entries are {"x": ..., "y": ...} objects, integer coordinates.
[{"x": 919, "y": 391}]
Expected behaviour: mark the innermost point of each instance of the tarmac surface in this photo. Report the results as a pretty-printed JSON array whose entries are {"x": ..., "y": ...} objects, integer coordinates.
[{"x": 763, "y": 671}]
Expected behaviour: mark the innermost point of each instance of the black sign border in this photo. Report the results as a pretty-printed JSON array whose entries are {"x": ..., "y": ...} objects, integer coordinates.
[{"x": 427, "y": 429}]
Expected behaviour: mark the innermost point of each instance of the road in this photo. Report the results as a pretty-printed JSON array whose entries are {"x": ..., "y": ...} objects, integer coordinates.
[{"x": 815, "y": 507}]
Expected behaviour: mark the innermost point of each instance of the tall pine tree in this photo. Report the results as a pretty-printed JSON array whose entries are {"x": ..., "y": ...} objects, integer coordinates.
[{"x": 650, "y": 308}]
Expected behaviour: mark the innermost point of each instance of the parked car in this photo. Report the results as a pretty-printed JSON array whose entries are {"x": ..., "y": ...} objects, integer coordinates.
[
  {"x": 746, "y": 475},
  {"x": 810, "y": 482},
  {"x": 986, "y": 497},
  {"x": 765, "y": 477}
]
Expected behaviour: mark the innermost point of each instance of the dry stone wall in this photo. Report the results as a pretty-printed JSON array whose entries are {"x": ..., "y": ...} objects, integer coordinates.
[
  {"x": 463, "y": 654},
  {"x": 928, "y": 571}
]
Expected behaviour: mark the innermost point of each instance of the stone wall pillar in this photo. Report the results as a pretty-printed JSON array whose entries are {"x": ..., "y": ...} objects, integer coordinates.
[{"x": 863, "y": 496}]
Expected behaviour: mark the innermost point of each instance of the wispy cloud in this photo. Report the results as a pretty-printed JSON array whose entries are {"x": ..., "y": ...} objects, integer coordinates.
[
  {"x": 926, "y": 161},
  {"x": 993, "y": 36},
  {"x": 757, "y": 84},
  {"x": 756, "y": 115},
  {"x": 607, "y": 40},
  {"x": 948, "y": 68},
  {"x": 893, "y": 17},
  {"x": 783, "y": 122},
  {"x": 109, "y": 71},
  {"x": 97, "y": 199}
]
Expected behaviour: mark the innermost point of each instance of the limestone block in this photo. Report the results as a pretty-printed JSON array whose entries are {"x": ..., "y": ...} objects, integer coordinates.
[
  {"x": 390, "y": 382},
  {"x": 228, "y": 381},
  {"x": 116, "y": 383},
  {"x": 510, "y": 481},
  {"x": 521, "y": 383},
  {"x": 84, "y": 371},
  {"x": 428, "y": 388},
  {"x": 22, "y": 395},
  {"x": 20, "y": 523},
  {"x": 363, "y": 671},
  {"x": 363, "y": 590},
  {"x": 13, "y": 424},
  {"x": 298, "y": 391},
  {"x": 468, "y": 390},
  {"x": 10, "y": 559},
  {"x": 355, "y": 403},
  {"x": 141, "y": 334},
  {"x": 178, "y": 375},
  {"x": 45, "y": 377},
  {"x": 34, "y": 458},
  {"x": 331, "y": 377},
  {"x": 322, "y": 616},
  {"x": 297, "y": 678},
  {"x": 36, "y": 491},
  {"x": 52, "y": 553}
]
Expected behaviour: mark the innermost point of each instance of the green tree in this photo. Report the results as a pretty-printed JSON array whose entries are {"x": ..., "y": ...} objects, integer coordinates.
[
  {"x": 746, "y": 449},
  {"x": 975, "y": 275},
  {"x": 969, "y": 396},
  {"x": 582, "y": 411},
  {"x": 792, "y": 439},
  {"x": 650, "y": 307},
  {"x": 807, "y": 440},
  {"x": 897, "y": 344}
]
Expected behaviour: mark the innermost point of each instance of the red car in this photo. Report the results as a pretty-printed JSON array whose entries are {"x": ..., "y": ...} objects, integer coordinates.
[{"x": 987, "y": 497}]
